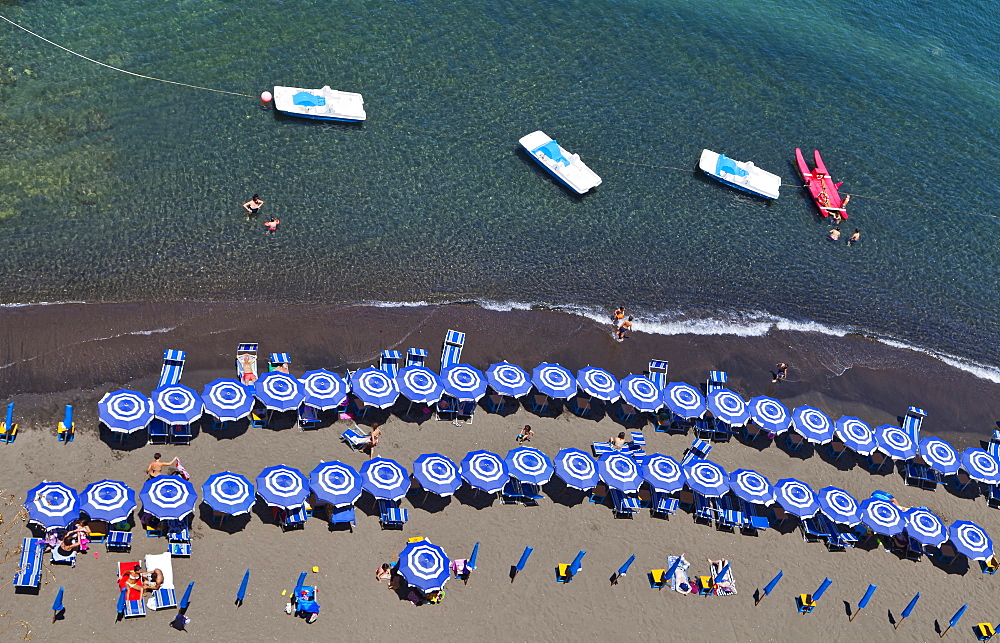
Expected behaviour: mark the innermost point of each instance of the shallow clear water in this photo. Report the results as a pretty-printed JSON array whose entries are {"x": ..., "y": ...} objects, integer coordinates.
[{"x": 117, "y": 188}]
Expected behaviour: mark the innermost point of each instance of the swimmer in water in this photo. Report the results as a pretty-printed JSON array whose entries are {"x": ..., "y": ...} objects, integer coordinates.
[
  {"x": 835, "y": 234},
  {"x": 854, "y": 237},
  {"x": 272, "y": 225},
  {"x": 253, "y": 205}
]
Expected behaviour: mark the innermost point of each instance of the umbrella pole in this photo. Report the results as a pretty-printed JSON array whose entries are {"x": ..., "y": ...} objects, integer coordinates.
[{"x": 858, "y": 611}]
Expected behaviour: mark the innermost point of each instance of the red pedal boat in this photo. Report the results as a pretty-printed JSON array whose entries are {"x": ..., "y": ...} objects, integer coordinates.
[{"x": 821, "y": 186}]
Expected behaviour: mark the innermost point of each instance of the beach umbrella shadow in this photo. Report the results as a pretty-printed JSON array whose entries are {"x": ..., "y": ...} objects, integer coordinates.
[
  {"x": 233, "y": 430},
  {"x": 560, "y": 493},
  {"x": 229, "y": 524},
  {"x": 846, "y": 462},
  {"x": 123, "y": 442},
  {"x": 430, "y": 502},
  {"x": 473, "y": 498},
  {"x": 804, "y": 452},
  {"x": 760, "y": 444}
]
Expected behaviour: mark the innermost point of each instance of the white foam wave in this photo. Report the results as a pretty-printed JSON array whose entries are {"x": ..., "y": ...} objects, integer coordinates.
[
  {"x": 40, "y": 303},
  {"x": 980, "y": 370}
]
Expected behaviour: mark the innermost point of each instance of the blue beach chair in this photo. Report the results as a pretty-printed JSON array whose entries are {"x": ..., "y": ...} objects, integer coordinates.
[
  {"x": 451, "y": 351},
  {"x": 716, "y": 380},
  {"x": 416, "y": 356},
  {"x": 294, "y": 518},
  {"x": 8, "y": 430},
  {"x": 118, "y": 540},
  {"x": 29, "y": 566},
  {"x": 279, "y": 361},
  {"x": 66, "y": 428},
  {"x": 181, "y": 434},
  {"x": 599, "y": 493},
  {"x": 730, "y": 513},
  {"x": 625, "y": 505},
  {"x": 511, "y": 493},
  {"x": 355, "y": 439},
  {"x": 704, "y": 509},
  {"x": 389, "y": 362},
  {"x": 911, "y": 423},
  {"x": 600, "y": 448},
  {"x": 658, "y": 372},
  {"x": 308, "y": 418},
  {"x": 173, "y": 367},
  {"x": 752, "y": 520},
  {"x": 663, "y": 505},
  {"x": 391, "y": 515},
  {"x": 700, "y": 448},
  {"x": 159, "y": 432},
  {"x": 343, "y": 516}
]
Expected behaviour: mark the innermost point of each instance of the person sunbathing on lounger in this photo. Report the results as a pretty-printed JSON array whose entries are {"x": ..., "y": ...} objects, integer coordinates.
[
  {"x": 132, "y": 579},
  {"x": 617, "y": 442},
  {"x": 152, "y": 581},
  {"x": 246, "y": 361},
  {"x": 716, "y": 566}
]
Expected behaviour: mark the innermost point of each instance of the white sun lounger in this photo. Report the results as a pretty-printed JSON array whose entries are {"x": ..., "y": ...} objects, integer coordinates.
[{"x": 165, "y": 596}]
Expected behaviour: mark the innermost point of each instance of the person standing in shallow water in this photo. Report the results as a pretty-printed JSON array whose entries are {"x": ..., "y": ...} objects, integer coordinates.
[
  {"x": 253, "y": 205},
  {"x": 624, "y": 328}
]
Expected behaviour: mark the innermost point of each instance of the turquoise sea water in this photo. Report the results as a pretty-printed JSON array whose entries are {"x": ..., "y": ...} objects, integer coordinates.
[{"x": 114, "y": 188}]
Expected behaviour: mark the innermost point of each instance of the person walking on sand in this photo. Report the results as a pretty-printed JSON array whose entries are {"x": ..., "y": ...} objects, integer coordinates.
[
  {"x": 253, "y": 205},
  {"x": 782, "y": 371},
  {"x": 618, "y": 317},
  {"x": 373, "y": 439},
  {"x": 159, "y": 468},
  {"x": 624, "y": 328},
  {"x": 854, "y": 237},
  {"x": 525, "y": 434}
]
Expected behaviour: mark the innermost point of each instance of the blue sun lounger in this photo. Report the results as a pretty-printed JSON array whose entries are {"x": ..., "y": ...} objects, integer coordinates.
[
  {"x": 700, "y": 448},
  {"x": 658, "y": 372},
  {"x": 279, "y": 360},
  {"x": 911, "y": 423},
  {"x": 663, "y": 504},
  {"x": 8, "y": 430},
  {"x": 343, "y": 516},
  {"x": 391, "y": 515},
  {"x": 416, "y": 356},
  {"x": 389, "y": 362},
  {"x": 730, "y": 513},
  {"x": 29, "y": 566},
  {"x": 752, "y": 520},
  {"x": 173, "y": 367},
  {"x": 704, "y": 509},
  {"x": 716, "y": 380},
  {"x": 451, "y": 351},
  {"x": 355, "y": 439},
  {"x": 624, "y": 504}
]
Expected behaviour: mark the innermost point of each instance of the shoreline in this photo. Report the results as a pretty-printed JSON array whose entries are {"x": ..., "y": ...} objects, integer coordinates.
[{"x": 74, "y": 353}]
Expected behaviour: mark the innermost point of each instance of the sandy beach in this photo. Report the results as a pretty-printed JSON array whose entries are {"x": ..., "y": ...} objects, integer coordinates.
[{"x": 74, "y": 353}]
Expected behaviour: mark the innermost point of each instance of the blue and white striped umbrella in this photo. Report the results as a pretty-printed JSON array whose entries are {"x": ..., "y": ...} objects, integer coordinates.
[
  {"x": 728, "y": 407},
  {"x": 279, "y": 391},
  {"x": 796, "y": 497},
  {"x": 168, "y": 497},
  {"x": 684, "y": 400},
  {"x": 508, "y": 379},
  {"x": 769, "y": 414},
  {"x": 227, "y": 400},
  {"x": 971, "y": 540},
  {"x": 619, "y": 471},
  {"x": 419, "y": 384},
  {"x": 485, "y": 470},
  {"x": 597, "y": 382},
  {"x": 925, "y": 526},
  {"x": 437, "y": 474},
  {"x": 529, "y": 465},
  {"x": 125, "y": 411},
  {"x": 641, "y": 393},
  {"x": 385, "y": 478},
  {"x": 839, "y": 506},
  {"x": 553, "y": 380},
  {"x": 577, "y": 469},
  {"x": 882, "y": 516},
  {"x": 424, "y": 565},
  {"x": 812, "y": 424},
  {"x": 283, "y": 487},
  {"x": 228, "y": 493},
  {"x": 706, "y": 478},
  {"x": 53, "y": 504},
  {"x": 374, "y": 387},
  {"x": 335, "y": 483},
  {"x": 464, "y": 383},
  {"x": 981, "y": 465},
  {"x": 856, "y": 435},
  {"x": 751, "y": 486},
  {"x": 323, "y": 390},
  {"x": 177, "y": 404},
  {"x": 107, "y": 500},
  {"x": 939, "y": 455},
  {"x": 662, "y": 473},
  {"x": 894, "y": 442}
]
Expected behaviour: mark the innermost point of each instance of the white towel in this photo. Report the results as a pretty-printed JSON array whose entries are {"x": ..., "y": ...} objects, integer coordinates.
[{"x": 164, "y": 563}]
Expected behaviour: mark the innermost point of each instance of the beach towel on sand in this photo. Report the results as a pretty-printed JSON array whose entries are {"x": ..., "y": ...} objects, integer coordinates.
[{"x": 680, "y": 574}]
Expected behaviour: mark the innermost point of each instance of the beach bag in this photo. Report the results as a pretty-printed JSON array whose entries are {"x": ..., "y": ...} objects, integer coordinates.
[{"x": 182, "y": 471}]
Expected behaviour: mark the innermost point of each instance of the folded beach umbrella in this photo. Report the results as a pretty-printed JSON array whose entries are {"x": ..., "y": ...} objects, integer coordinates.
[
  {"x": 374, "y": 387},
  {"x": 282, "y": 486},
  {"x": 177, "y": 404},
  {"x": 577, "y": 469},
  {"x": 981, "y": 465},
  {"x": 939, "y": 455},
  {"x": 227, "y": 399},
  {"x": 437, "y": 474},
  {"x": 125, "y": 411},
  {"x": 553, "y": 380},
  {"x": 597, "y": 382},
  {"x": 485, "y": 470},
  {"x": 323, "y": 390},
  {"x": 52, "y": 504},
  {"x": 529, "y": 465},
  {"x": 769, "y": 414},
  {"x": 335, "y": 483},
  {"x": 728, "y": 407},
  {"x": 228, "y": 493},
  {"x": 882, "y": 516},
  {"x": 508, "y": 379},
  {"x": 424, "y": 565},
  {"x": 385, "y": 479},
  {"x": 796, "y": 497},
  {"x": 839, "y": 506},
  {"x": 464, "y": 383},
  {"x": 812, "y": 424},
  {"x": 706, "y": 478},
  {"x": 641, "y": 393},
  {"x": 279, "y": 391},
  {"x": 419, "y": 384},
  {"x": 925, "y": 526},
  {"x": 751, "y": 486},
  {"x": 168, "y": 497},
  {"x": 107, "y": 500},
  {"x": 894, "y": 442},
  {"x": 662, "y": 473},
  {"x": 684, "y": 400},
  {"x": 619, "y": 471},
  {"x": 971, "y": 540},
  {"x": 856, "y": 435}
]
